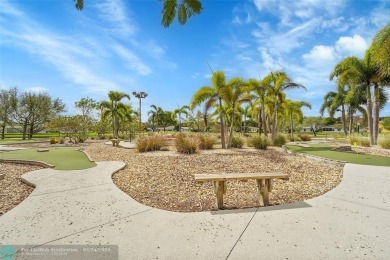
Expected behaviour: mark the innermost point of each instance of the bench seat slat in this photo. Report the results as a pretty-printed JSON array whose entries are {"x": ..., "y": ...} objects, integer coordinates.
[{"x": 240, "y": 176}]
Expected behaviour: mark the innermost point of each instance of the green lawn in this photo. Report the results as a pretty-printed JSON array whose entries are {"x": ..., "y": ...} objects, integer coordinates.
[
  {"x": 63, "y": 158},
  {"x": 325, "y": 151}
]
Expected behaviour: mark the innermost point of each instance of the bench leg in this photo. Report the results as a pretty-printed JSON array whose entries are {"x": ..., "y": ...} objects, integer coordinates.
[
  {"x": 219, "y": 187},
  {"x": 263, "y": 186}
]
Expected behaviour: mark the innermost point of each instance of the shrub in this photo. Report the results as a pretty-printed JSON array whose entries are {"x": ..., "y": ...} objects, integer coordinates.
[
  {"x": 206, "y": 142},
  {"x": 304, "y": 137},
  {"x": 150, "y": 143},
  {"x": 384, "y": 142},
  {"x": 185, "y": 145},
  {"x": 102, "y": 137},
  {"x": 364, "y": 141},
  {"x": 293, "y": 139},
  {"x": 53, "y": 140},
  {"x": 237, "y": 142},
  {"x": 354, "y": 138},
  {"x": 258, "y": 142},
  {"x": 62, "y": 140},
  {"x": 280, "y": 140}
]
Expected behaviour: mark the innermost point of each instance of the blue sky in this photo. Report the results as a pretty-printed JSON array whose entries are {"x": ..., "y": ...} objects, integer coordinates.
[{"x": 47, "y": 45}]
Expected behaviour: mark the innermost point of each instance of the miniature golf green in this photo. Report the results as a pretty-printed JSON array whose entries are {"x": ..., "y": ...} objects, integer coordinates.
[
  {"x": 63, "y": 158},
  {"x": 326, "y": 152}
]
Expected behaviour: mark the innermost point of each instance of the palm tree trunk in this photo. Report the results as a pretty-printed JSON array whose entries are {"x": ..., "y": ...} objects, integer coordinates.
[
  {"x": 343, "y": 119},
  {"x": 274, "y": 123},
  {"x": 231, "y": 129},
  {"x": 3, "y": 131},
  {"x": 222, "y": 124},
  {"x": 244, "y": 124},
  {"x": 350, "y": 119},
  {"x": 376, "y": 114},
  {"x": 292, "y": 127},
  {"x": 369, "y": 115},
  {"x": 264, "y": 122}
]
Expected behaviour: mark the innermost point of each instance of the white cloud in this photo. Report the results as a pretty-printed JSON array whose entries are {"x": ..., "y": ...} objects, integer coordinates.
[
  {"x": 351, "y": 46},
  {"x": 133, "y": 61},
  {"x": 114, "y": 12},
  {"x": 320, "y": 54}
]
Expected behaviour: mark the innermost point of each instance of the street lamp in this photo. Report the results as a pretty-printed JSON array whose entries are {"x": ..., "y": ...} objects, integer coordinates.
[
  {"x": 358, "y": 128},
  {"x": 140, "y": 95}
]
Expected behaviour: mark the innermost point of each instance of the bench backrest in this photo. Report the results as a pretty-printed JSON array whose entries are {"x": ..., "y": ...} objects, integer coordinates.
[{"x": 240, "y": 176}]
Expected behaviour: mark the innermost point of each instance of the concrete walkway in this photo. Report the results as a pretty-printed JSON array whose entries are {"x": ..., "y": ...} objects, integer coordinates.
[{"x": 85, "y": 207}]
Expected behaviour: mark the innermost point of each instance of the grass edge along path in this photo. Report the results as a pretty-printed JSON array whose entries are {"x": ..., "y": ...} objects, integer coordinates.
[
  {"x": 63, "y": 158},
  {"x": 325, "y": 152}
]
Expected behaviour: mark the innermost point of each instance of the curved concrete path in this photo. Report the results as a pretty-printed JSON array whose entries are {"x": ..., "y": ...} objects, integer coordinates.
[{"x": 85, "y": 207}]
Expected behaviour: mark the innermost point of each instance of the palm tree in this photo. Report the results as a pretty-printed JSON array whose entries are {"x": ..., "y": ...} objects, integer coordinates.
[
  {"x": 245, "y": 112},
  {"x": 233, "y": 95},
  {"x": 278, "y": 82},
  {"x": 332, "y": 101},
  {"x": 260, "y": 92},
  {"x": 363, "y": 73},
  {"x": 155, "y": 115},
  {"x": 294, "y": 109},
  {"x": 380, "y": 48},
  {"x": 182, "y": 110},
  {"x": 210, "y": 95},
  {"x": 110, "y": 108},
  {"x": 185, "y": 9}
]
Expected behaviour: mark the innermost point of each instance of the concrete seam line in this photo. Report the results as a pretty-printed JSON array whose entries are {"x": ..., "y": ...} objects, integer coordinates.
[
  {"x": 356, "y": 203},
  {"x": 242, "y": 233},
  {"x": 101, "y": 184},
  {"x": 104, "y": 224}
]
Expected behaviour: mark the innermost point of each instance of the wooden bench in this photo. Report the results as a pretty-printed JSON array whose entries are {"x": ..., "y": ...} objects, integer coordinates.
[
  {"x": 264, "y": 183},
  {"x": 115, "y": 142}
]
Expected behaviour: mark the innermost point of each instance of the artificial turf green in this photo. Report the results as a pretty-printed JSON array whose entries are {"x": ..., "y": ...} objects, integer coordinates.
[
  {"x": 325, "y": 152},
  {"x": 63, "y": 158}
]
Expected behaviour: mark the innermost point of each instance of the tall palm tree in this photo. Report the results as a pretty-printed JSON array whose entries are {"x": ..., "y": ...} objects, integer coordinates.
[
  {"x": 212, "y": 94},
  {"x": 182, "y": 110},
  {"x": 363, "y": 73},
  {"x": 111, "y": 107},
  {"x": 293, "y": 110},
  {"x": 278, "y": 82},
  {"x": 233, "y": 95},
  {"x": 380, "y": 47},
  {"x": 260, "y": 91}
]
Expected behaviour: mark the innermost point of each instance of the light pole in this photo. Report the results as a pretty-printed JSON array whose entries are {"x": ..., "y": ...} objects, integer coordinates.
[{"x": 140, "y": 95}]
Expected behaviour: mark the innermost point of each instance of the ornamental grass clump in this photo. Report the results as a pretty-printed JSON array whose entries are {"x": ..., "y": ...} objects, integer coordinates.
[
  {"x": 258, "y": 142},
  {"x": 206, "y": 142},
  {"x": 186, "y": 145},
  {"x": 364, "y": 141},
  {"x": 354, "y": 138},
  {"x": 384, "y": 142},
  {"x": 280, "y": 140},
  {"x": 150, "y": 143},
  {"x": 237, "y": 142},
  {"x": 304, "y": 137}
]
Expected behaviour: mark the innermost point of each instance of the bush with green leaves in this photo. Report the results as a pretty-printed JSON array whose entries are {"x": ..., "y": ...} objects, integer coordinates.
[
  {"x": 150, "y": 143},
  {"x": 237, "y": 142},
  {"x": 206, "y": 142},
  {"x": 384, "y": 142},
  {"x": 258, "y": 142},
  {"x": 280, "y": 140},
  {"x": 354, "y": 138},
  {"x": 186, "y": 145},
  {"x": 53, "y": 140}
]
